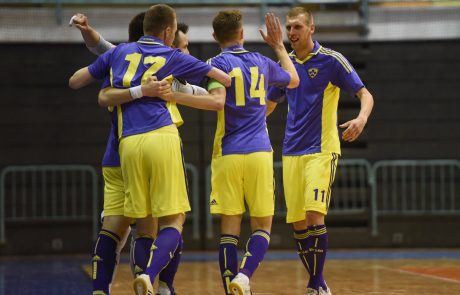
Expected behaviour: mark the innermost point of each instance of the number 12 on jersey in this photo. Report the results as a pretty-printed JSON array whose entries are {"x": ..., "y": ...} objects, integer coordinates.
[{"x": 253, "y": 92}]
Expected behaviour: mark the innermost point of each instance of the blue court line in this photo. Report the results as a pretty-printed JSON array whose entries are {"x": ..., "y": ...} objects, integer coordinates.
[{"x": 340, "y": 255}]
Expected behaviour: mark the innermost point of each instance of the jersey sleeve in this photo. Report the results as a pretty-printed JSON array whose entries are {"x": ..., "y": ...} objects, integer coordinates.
[
  {"x": 106, "y": 82},
  {"x": 276, "y": 94},
  {"x": 190, "y": 68},
  {"x": 101, "y": 67},
  {"x": 345, "y": 76},
  {"x": 279, "y": 77}
]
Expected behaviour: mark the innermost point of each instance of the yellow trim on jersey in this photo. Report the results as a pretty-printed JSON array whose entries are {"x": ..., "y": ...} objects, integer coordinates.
[
  {"x": 120, "y": 121},
  {"x": 338, "y": 57},
  {"x": 329, "y": 135},
  {"x": 220, "y": 132},
  {"x": 176, "y": 117},
  {"x": 310, "y": 55},
  {"x": 236, "y": 52}
]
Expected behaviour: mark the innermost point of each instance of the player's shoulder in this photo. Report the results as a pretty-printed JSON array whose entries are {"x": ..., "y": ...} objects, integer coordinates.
[{"x": 328, "y": 53}]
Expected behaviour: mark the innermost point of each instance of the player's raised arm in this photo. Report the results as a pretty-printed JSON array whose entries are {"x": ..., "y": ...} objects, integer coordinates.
[
  {"x": 152, "y": 88},
  {"x": 93, "y": 39},
  {"x": 274, "y": 38}
]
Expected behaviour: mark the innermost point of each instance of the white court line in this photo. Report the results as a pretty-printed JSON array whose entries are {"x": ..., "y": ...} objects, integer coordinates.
[{"x": 421, "y": 274}]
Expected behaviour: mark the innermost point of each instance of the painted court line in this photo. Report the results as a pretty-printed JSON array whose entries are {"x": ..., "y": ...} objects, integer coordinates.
[{"x": 421, "y": 274}]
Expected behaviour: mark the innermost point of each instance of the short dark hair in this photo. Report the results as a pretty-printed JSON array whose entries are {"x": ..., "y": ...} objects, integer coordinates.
[
  {"x": 181, "y": 27},
  {"x": 227, "y": 25},
  {"x": 157, "y": 18},
  {"x": 136, "y": 27},
  {"x": 295, "y": 11}
]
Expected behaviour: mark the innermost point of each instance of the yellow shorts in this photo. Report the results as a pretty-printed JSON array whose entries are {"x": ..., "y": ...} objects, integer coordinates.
[
  {"x": 307, "y": 183},
  {"x": 154, "y": 174},
  {"x": 239, "y": 177},
  {"x": 114, "y": 191}
]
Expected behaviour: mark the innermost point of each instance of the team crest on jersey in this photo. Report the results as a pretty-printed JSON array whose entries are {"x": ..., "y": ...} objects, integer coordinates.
[{"x": 312, "y": 72}]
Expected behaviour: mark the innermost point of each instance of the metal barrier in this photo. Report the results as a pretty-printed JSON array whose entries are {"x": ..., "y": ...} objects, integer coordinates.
[
  {"x": 415, "y": 187},
  {"x": 48, "y": 193},
  {"x": 193, "y": 191}
]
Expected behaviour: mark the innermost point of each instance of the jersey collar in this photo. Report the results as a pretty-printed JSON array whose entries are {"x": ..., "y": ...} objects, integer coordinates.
[
  {"x": 150, "y": 40},
  {"x": 316, "y": 48},
  {"x": 235, "y": 49}
]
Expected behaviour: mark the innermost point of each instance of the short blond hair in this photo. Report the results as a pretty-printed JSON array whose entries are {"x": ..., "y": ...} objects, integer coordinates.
[{"x": 295, "y": 11}]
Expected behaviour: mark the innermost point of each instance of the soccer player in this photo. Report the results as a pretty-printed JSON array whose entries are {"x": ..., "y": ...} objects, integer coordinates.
[
  {"x": 113, "y": 180},
  {"x": 311, "y": 145},
  {"x": 150, "y": 147},
  {"x": 242, "y": 162}
]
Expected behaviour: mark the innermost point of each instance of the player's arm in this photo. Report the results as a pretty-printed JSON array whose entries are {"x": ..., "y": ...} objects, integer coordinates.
[
  {"x": 355, "y": 127},
  {"x": 274, "y": 38},
  {"x": 93, "y": 40},
  {"x": 214, "y": 101},
  {"x": 111, "y": 96},
  {"x": 81, "y": 78},
  {"x": 220, "y": 76}
]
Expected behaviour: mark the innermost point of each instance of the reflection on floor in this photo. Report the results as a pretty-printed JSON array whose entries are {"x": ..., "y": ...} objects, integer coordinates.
[{"x": 347, "y": 272}]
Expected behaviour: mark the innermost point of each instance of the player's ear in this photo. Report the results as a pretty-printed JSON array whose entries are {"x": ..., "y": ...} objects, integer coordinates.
[
  {"x": 241, "y": 34},
  {"x": 312, "y": 28},
  {"x": 214, "y": 36}
]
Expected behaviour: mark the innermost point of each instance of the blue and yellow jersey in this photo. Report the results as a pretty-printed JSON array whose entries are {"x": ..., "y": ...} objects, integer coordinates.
[
  {"x": 311, "y": 125},
  {"x": 130, "y": 64},
  {"x": 241, "y": 125}
]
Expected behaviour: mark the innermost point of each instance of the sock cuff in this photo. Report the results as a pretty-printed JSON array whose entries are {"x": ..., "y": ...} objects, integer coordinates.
[
  {"x": 301, "y": 234},
  {"x": 110, "y": 234},
  {"x": 229, "y": 239},
  {"x": 262, "y": 233},
  {"x": 317, "y": 230}
]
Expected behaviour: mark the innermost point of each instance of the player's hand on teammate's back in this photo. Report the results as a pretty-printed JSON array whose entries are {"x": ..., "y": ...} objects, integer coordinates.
[
  {"x": 155, "y": 88},
  {"x": 274, "y": 36},
  {"x": 80, "y": 21},
  {"x": 353, "y": 129}
]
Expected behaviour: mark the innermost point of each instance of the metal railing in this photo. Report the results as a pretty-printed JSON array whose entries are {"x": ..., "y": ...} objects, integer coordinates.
[
  {"x": 415, "y": 187},
  {"x": 48, "y": 193},
  {"x": 194, "y": 194}
]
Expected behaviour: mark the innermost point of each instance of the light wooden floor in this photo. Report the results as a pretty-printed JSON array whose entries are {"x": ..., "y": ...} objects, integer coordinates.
[{"x": 344, "y": 277}]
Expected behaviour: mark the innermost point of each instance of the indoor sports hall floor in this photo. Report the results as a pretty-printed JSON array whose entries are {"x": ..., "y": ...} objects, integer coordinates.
[{"x": 401, "y": 272}]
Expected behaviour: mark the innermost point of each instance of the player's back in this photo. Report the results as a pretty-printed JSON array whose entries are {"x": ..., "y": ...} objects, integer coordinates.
[
  {"x": 242, "y": 125},
  {"x": 131, "y": 65}
]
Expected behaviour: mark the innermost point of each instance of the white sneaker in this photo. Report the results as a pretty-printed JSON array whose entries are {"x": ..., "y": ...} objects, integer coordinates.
[
  {"x": 240, "y": 285},
  {"x": 142, "y": 285},
  {"x": 311, "y": 291},
  {"x": 325, "y": 292}
]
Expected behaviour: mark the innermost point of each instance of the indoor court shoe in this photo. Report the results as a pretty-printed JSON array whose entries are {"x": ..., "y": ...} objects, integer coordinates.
[
  {"x": 240, "y": 285},
  {"x": 142, "y": 285},
  {"x": 311, "y": 291},
  {"x": 324, "y": 292}
]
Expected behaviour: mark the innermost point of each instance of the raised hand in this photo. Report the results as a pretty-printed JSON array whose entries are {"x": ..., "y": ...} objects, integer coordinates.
[
  {"x": 80, "y": 21},
  {"x": 274, "y": 36}
]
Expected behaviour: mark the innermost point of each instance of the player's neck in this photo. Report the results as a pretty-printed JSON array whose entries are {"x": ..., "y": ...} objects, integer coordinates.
[
  {"x": 304, "y": 52},
  {"x": 230, "y": 44}
]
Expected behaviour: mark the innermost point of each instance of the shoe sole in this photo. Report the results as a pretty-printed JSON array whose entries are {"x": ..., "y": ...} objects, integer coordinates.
[
  {"x": 140, "y": 287},
  {"x": 236, "y": 289}
]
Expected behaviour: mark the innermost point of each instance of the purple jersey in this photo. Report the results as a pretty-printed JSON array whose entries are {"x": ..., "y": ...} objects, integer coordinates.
[
  {"x": 111, "y": 156},
  {"x": 132, "y": 63},
  {"x": 311, "y": 125},
  {"x": 241, "y": 126}
]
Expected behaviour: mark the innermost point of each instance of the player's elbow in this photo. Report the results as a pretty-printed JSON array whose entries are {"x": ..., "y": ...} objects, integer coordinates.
[
  {"x": 74, "y": 83},
  {"x": 219, "y": 103},
  {"x": 294, "y": 83},
  {"x": 102, "y": 99}
]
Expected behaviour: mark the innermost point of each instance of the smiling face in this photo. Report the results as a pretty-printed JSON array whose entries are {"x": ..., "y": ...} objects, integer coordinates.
[{"x": 299, "y": 30}]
